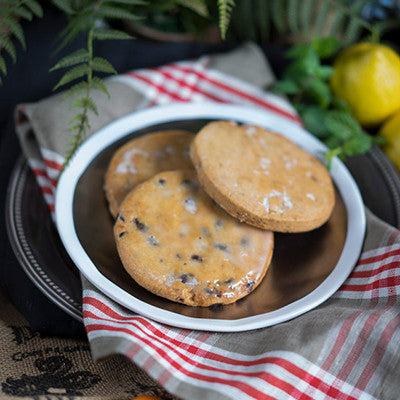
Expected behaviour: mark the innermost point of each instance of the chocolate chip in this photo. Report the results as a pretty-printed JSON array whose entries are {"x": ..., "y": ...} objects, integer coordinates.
[
  {"x": 196, "y": 257},
  {"x": 162, "y": 181},
  {"x": 228, "y": 281},
  {"x": 218, "y": 224},
  {"x": 121, "y": 217},
  {"x": 153, "y": 240},
  {"x": 179, "y": 299},
  {"x": 186, "y": 278},
  {"x": 178, "y": 256},
  {"x": 221, "y": 246},
  {"x": 122, "y": 234},
  {"x": 245, "y": 241},
  {"x": 217, "y": 307},
  {"x": 140, "y": 225},
  {"x": 249, "y": 286},
  {"x": 161, "y": 260},
  {"x": 205, "y": 231}
]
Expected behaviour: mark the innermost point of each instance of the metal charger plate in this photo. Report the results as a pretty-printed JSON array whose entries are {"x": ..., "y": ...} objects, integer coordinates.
[{"x": 306, "y": 268}]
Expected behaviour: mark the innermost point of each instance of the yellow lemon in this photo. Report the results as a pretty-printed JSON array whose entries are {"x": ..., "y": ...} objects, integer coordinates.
[
  {"x": 390, "y": 130},
  {"x": 367, "y": 77}
]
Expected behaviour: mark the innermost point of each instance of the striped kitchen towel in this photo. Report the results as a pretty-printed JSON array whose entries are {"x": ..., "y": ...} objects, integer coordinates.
[{"x": 346, "y": 348}]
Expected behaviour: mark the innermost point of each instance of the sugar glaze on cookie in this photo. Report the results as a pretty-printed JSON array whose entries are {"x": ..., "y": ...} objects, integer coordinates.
[{"x": 177, "y": 243}]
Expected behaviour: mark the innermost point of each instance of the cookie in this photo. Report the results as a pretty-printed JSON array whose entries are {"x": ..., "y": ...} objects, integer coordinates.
[
  {"x": 143, "y": 157},
  {"x": 177, "y": 243},
  {"x": 262, "y": 178}
]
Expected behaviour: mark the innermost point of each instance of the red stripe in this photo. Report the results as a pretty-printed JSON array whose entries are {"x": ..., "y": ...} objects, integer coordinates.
[
  {"x": 51, "y": 207},
  {"x": 52, "y": 164},
  {"x": 248, "y": 389},
  {"x": 289, "y": 366},
  {"x": 43, "y": 173},
  {"x": 390, "y": 281},
  {"x": 47, "y": 190},
  {"x": 362, "y": 339},
  {"x": 378, "y": 353},
  {"x": 193, "y": 88},
  {"x": 240, "y": 93},
  {"x": 160, "y": 88},
  {"x": 379, "y": 257},
  {"x": 373, "y": 272}
]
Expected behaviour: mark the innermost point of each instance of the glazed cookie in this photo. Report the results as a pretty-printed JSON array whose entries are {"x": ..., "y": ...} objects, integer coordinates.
[
  {"x": 143, "y": 157},
  {"x": 262, "y": 178},
  {"x": 177, "y": 243}
]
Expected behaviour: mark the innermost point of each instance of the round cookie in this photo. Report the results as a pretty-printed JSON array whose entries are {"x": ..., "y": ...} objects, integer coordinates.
[
  {"x": 262, "y": 178},
  {"x": 177, "y": 243},
  {"x": 143, "y": 157}
]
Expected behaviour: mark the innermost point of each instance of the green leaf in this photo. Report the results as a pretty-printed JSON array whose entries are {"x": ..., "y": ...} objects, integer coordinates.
[
  {"x": 225, "y": 8},
  {"x": 102, "y": 65},
  {"x": 341, "y": 124},
  {"x": 3, "y": 66},
  {"x": 306, "y": 10},
  {"x": 15, "y": 28},
  {"x": 8, "y": 46},
  {"x": 352, "y": 32},
  {"x": 76, "y": 90},
  {"x": 74, "y": 73},
  {"x": 340, "y": 104},
  {"x": 197, "y": 6},
  {"x": 303, "y": 67},
  {"x": 64, "y": 5},
  {"x": 98, "y": 84},
  {"x": 319, "y": 91},
  {"x": 357, "y": 144},
  {"x": 112, "y": 12},
  {"x": 326, "y": 47},
  {"x": 278, "y": 8},
  {"x": 129, "y": 2},
  {"x": 324, "y": 72},
  {"x": 35, "y": 7},
  {"x": 298, "y": 51},
  {"x": 292, "y": 15},
  {"x": 85, "y": 103},
  {"x": 77, "y": 57},
  {"x": 110, "y": 34},
  {"x": 313, "y": 119},
  {"x": 286, "y": 86},
  {"x": 23, "y": 13},
  {"x": 322, "y": 17}
]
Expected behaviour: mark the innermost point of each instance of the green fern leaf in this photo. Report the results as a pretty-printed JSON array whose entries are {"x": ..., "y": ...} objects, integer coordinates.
[
  {"x": 15, "y": 28},
  {"x": 23, "y": 13},
  {"x": 77, "y": 57},
  {"x": 111, "y": 12},
  {"x": 321, "y": 18},
  {"x": 263, "y": 17},
  {"x": 278, "y": 9},
  {"x": 98, "y": 84},
  {"x": 102, "y": 65},
  {"x": 225, "y": 8},
  {"x": 337, "y": 21},
  {"x": 85, "y": 103},
  {"x": 306, "y": 11},
  {"x": 64, "y": 5},
  {"x": 8, "y": 46},
  {"x": 197, "y": 6},
  {"x": 79, "y": 118},
  {"x": 3, "y": 66},
  {"x": 72, "y": 74},
  {"x": 292, "y": 15},
  {"x": 35, "y": 7},
  {"x": 352, "y": 32},
  {"x": 91, "y": 105},
  {"x": 75, "y": 90},
  {"x": 129, "y": 2},
  {"x": 110, "y": 34},
  {"x": 77, "y": 25}
]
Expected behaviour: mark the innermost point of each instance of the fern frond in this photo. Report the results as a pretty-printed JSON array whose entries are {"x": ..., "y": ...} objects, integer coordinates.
[
  {"x": 23, "y": 13},
  {"x": 263, "y": 17},
  {"x": 225, "y": 8},
  {"x": 111, "y": 12},
  {"x": 85, "y": 103},
  {"x": 7, "y": 45},
  {"x": 129, "y": 2},
  {"x": 3, "y": 65},
  {"x": 98, "y": 84},
  {"x": 35, "y": 7},
  {"x": 197, "y": 6},
  {"x": 278, "y": 12},
  {"x": 292, "y": 15},
  {"x": 64, "y": 5},
  {"x": 15, "y": 28},
  {"x": 71, "y": 75},
  {"x": 110, "y": 34},
  {"x": 305, "y": 15},
  {"x": 77, "y": 57},
  {"x": 75, "y": 90},
  {"x": 100, "y": 64},
  {"x": 321, "y": 18}
]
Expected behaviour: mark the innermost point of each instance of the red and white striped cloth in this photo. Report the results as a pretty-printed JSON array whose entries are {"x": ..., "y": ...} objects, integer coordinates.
[{"x": 347, "y": 348}]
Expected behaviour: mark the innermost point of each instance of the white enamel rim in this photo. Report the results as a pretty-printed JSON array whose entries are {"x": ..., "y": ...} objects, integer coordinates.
[{"x": 356, "y": 222}]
